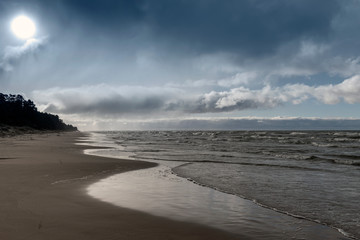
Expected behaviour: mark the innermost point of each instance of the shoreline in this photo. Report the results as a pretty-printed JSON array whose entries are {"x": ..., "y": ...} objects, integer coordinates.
[
  {"x": 341, "y": 231},
  {"x": 337, "y": 234},
  {"x": 43, "y": 178}
]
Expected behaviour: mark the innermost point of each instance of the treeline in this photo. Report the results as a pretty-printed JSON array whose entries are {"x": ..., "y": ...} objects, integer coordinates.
[{"x": 16, "y": 111}]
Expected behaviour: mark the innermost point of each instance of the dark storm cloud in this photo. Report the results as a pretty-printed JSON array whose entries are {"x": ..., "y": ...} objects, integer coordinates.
[
  {"x": 170, "y": 40},
  {"x": 110, "y": 12},
  {"x": 250, "y": 27}
]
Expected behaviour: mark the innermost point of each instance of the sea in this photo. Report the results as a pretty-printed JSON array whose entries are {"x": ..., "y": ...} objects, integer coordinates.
[{"x": 265, "y": 184}]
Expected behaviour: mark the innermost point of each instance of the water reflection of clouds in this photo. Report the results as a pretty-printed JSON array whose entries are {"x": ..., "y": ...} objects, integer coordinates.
[{"x": 150, "y": 191}]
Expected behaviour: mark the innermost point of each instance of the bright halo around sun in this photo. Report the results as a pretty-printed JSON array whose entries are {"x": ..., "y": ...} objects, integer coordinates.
[{"x": 23, "y": 27}]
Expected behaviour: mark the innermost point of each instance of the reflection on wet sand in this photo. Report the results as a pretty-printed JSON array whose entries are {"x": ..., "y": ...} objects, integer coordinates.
[{"x": 159, "y": 192}]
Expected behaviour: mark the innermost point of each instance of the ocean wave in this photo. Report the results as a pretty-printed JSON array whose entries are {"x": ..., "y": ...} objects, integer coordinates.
[
  {"x": 329, "y": 145},
  {"x": 260, "y": 203},
  {"x": 355, "y": 162},
  {"x": 231, "y": 163},
  {"x": 298, "y": 133}
]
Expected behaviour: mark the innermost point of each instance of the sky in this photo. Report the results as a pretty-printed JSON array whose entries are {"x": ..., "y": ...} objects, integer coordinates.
[{"x": 187, "y": 64}]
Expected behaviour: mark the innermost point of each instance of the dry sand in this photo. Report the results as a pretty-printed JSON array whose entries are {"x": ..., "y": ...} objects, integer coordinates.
[{"x": 43, "y": 178}]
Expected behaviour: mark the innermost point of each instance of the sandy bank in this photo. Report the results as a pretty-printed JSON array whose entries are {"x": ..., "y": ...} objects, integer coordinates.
[{"x": 42, "y": 184}]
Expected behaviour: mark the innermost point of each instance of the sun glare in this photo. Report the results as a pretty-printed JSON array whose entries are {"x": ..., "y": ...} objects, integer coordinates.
[{"x": 23, "y": 27}]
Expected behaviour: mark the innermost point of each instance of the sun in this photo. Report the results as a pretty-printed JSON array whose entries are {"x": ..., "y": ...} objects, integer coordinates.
[{"x": 23, "y": 27}]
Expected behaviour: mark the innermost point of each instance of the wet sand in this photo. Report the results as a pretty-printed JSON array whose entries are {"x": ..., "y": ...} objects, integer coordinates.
[{"x": 43, "y": 180}]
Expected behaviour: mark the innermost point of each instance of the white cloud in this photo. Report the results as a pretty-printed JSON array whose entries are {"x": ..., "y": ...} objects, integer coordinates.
[
  {"x": 347, "y": 91},
  {"x": 139, "y": 102},
  {"x": 268, "y": 97},
  {"x": 239, "y": 79},
  {"x": 13, "y": 54}
]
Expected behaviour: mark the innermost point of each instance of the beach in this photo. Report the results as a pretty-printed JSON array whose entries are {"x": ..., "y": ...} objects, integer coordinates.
[
  {"x": 43, "y": 181},
  {"x": 179, "y": 120}
]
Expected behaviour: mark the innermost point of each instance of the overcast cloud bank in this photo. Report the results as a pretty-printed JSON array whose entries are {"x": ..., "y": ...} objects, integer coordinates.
[{"x": 132, "y": 101}]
